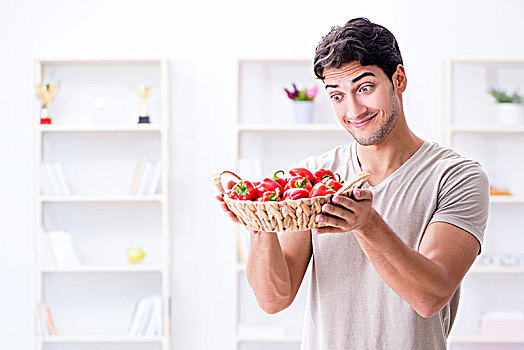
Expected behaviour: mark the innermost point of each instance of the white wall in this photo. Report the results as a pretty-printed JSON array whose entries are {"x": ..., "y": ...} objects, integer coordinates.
[{"x": 201, "y": 39}]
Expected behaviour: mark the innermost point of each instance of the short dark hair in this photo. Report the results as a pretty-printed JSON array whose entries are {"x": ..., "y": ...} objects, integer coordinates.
[{"x": 358, "y": 40}]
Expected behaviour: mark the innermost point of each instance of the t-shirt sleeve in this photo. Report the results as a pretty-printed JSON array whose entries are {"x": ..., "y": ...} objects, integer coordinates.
[{"x": 463, "y": 199}]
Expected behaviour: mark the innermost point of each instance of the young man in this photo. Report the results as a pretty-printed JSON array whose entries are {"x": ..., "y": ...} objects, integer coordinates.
[{"x": 386, "y": 271}]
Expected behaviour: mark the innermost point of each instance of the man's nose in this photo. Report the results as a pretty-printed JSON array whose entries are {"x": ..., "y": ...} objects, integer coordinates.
[{"x": 355, "y": 109}]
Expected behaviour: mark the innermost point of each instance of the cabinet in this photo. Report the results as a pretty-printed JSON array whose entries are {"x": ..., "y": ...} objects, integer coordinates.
[
  {"x": 96, "y": 140},
  {"x": 495, "y": 282},
  {"x": 268, "y": 139}
]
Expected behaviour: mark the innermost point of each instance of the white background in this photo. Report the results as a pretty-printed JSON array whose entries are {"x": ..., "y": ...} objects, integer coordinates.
[{"x": 202, "y": 40}]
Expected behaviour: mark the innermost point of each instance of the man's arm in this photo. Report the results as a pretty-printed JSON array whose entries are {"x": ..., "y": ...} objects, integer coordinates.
[
  {"x": 276, "y": 267},
  {"x": 426, "y": 278}
]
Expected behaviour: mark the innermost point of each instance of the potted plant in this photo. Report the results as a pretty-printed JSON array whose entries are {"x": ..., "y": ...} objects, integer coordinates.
[
  {"x": 509, "y": 109},
  {"x": 303, "y": 103}
]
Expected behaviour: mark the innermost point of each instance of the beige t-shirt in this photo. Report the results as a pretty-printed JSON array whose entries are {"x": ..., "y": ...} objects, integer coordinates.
[{"x": 349, "y": 305}]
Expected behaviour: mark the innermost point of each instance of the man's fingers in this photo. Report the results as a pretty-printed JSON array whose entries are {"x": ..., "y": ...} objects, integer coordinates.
[
  {"x": 328, "y": 229},
  {"x": 362, "y": 195}
]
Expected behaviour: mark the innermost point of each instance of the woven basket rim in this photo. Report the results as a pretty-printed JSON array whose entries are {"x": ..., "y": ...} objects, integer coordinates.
[{"x": 282, "y": 201}]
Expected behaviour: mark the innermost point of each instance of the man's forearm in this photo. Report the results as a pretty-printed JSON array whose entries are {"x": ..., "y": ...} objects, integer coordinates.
[{"x": 267, "y": 272}]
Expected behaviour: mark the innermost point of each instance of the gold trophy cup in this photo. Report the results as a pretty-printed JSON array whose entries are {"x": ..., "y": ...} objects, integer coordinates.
[
  {"x": 143, "y": 91},
  {"x": 46, "y": 93}
]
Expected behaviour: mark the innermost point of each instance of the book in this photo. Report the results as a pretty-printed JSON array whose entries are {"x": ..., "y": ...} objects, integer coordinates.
[
  {"x": 146, "y": 173},
  {"x": 63, "y": 249},
  {"x": 52, "y": 179},
  {"x": 61, "y": 179},
  {"x": 49, "y": 320},
  {"x": 46, "y": 326},
  {"x": 155, "y": 178},
  {"x": 155, "y": 325},
  {"x": 147, "y": 317},
  {"x": 136, "y": 178}
]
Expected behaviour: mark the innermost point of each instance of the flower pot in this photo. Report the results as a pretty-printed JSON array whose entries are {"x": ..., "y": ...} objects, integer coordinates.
[
  {"x": 303, "y": 112},
  {"x": 510, "y": 114}
]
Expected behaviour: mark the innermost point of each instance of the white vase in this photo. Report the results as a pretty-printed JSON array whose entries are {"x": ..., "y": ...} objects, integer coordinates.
[
  {"x": 510, "y": 114},
  {"x": 303, "y": 112}
]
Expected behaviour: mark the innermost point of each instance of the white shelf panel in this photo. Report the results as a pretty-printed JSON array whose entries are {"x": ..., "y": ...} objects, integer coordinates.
[
  {"x": 290, "y": 127},
  {"x": 99, "y": 128},
  {"x": 99, "y": 339},
  {"x": 506, "y": 199},
  {"x": 268, "y": 336},
  {"x": 123, "y": 198},
  {"x": 497, "y": 269},
  {"x": 487, "y": 130},
  {"x": 102, "y": 268},
  {"x": 241, "y": 267},
  {"x": 482, "y": 339}
]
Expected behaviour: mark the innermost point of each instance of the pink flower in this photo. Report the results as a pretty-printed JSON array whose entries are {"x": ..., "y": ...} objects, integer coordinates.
[{"x": 311, "y": 93}]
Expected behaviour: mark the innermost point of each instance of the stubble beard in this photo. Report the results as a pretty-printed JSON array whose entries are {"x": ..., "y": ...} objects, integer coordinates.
[{"x": 385, "y": 129}]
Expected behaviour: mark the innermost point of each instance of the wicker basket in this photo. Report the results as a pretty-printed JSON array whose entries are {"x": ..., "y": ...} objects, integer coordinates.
[{"x": 284, "y": 216}]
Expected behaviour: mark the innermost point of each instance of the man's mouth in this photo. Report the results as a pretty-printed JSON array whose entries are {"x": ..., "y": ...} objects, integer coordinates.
[{"x": 360, "y": 124}]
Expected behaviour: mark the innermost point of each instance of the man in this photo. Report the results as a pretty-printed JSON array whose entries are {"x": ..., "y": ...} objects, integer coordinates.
[{"x": 386, "y": 271}]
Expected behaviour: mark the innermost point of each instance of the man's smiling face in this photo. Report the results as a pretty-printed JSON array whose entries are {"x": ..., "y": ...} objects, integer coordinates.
[{"x": 364, "y": 101}]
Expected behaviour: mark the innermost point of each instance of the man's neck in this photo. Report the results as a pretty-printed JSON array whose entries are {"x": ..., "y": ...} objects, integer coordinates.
[{"x": 384, "y": 158}]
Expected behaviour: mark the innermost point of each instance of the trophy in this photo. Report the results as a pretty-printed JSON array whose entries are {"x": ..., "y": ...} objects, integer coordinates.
[
  {"x": 46, "y": 93},
  {"x": 143, "y": 91}
]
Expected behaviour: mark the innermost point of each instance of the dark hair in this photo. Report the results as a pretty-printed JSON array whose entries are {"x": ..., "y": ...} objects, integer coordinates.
[{"x": 358, "y": 40}]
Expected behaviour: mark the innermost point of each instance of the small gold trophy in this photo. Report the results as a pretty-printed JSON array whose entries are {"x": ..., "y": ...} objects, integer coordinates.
[
  {"x": 46, "y": 93},
  {"x": 143, "y": 92}
]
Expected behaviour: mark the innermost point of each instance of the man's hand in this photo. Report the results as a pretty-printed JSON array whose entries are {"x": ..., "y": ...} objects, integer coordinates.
[
  {"x": 347, "y": 214},
  {"x": 223, "y": 205}
]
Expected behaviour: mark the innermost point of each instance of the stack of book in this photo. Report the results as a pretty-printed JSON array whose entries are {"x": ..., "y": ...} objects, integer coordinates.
[
  {"x": 45, "y": 322},
  {"x": 57, "y": 249},
  {"x": 147, "y": 177},
  {"x": 147, "y": 317},
  {"x": 52, "y": 179}
]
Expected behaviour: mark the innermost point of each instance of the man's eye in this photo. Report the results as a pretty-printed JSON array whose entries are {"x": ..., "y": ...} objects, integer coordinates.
[
  {"x": 366, "y": 88},
  {"x": 336, "y": 97}
]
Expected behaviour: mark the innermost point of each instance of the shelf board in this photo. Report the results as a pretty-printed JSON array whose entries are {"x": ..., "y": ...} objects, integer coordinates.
[
  {"x": 102, "y": 268},
  {"x": 290, "y": 127},
  {"x": 268, "y": 336},
  {"x": 241, "y": 267},
  {"x": 99, "y": 339},
  {"x": 102, "y": 198},
  {"x": 506, "y": 199},
  {"x": 480, "y": 338},
  {"x": 497, "y": 269},
  {"x": 487, "y": 130},
  {"x": 100, "y": 128}
]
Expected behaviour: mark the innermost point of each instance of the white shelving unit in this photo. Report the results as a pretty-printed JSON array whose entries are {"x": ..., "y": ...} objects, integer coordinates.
[
  {"x": 471, "y": 129},
  {"x": 93, "y": 303},
  {"x": 268, "y": 139}
]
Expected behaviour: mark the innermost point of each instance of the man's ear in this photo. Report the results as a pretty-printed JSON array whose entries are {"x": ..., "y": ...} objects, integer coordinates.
[{"x": 399, "y": 78}]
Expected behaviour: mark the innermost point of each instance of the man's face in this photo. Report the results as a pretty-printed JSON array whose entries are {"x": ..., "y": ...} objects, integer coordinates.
[{"x": 363, "y": 100}]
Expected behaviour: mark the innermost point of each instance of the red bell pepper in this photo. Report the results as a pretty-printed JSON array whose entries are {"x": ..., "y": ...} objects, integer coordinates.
[
  {"x": 245, "y": 191},
  {"x": 281, "y": 181},
  {"x": 271, "y": 196},
  {"x": 321, "y": 174},
  {"x": 303, "y": 172},
  {"x": 268, "y": 185},
  {"x": 299, "y": 182},
  {"x": 296, "y": 193},
  {"x": 330, "y": 183},
  {"x": 320, "y": 189}
]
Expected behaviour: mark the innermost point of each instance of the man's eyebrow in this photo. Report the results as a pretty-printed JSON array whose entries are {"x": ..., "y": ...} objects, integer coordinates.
[{"x": 365, "y": 74}]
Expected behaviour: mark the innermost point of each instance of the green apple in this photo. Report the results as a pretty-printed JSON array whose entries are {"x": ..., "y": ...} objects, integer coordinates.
[{"x": 135, "y": 254}]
